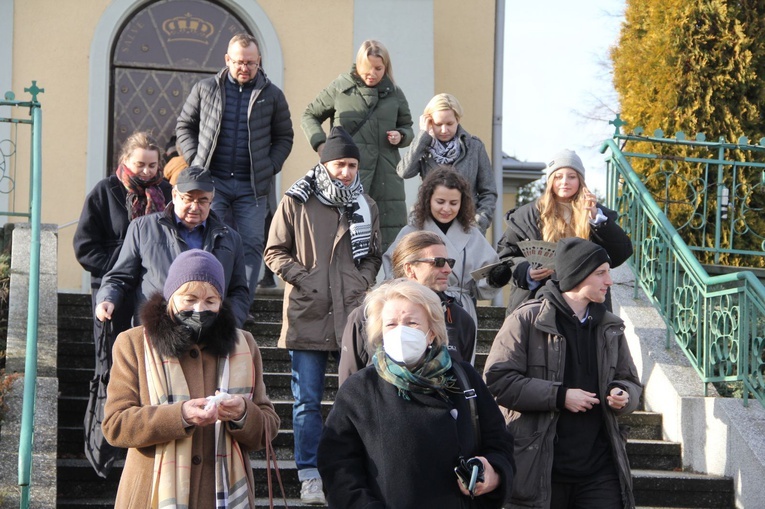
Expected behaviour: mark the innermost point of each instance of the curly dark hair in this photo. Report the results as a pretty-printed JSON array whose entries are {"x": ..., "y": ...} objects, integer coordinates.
[{"x": 448, "y": 177}]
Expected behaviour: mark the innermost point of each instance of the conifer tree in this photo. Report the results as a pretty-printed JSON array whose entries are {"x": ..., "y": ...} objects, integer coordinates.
[{"x": 696, "y": 67}]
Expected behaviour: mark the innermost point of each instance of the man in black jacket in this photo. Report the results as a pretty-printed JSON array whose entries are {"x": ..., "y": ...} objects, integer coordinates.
[
  {"x": 237, "y": 124},
  {"x": 420, "y": 256},
  {"x": 152, "y": 242},
  {"x": 561, "y": 369}
]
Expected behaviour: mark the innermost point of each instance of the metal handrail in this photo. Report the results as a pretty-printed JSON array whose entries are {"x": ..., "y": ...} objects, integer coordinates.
[
  {"x": 718, "y": 321},
  {"x": 30, "y": 362}
]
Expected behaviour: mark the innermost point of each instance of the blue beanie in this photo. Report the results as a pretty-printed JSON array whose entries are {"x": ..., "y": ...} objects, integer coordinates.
[{"x": 194, "y": 265}]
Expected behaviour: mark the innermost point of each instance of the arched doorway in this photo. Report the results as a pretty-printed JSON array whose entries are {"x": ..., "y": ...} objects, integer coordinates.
[
  {"x": 159, "y": 53},
  {"x": 110, "y": 26}
]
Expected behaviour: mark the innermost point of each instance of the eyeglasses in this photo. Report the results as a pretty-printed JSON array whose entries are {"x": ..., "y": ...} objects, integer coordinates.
[
  {"x": 188, "y": 200},
  {"x": 438, "y": 261},
  {"x": 242, "y": 63}
]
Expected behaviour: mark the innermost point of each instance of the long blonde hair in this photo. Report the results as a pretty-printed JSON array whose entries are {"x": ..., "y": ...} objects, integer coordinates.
[{"x": 557, "y": 219}]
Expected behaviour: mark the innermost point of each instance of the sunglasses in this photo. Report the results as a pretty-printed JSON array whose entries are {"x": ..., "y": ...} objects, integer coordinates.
[{"x": 437, "y": 261}]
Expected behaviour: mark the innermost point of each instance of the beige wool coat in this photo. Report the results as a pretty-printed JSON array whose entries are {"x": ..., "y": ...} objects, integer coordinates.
[
  {"x": 309, "y": 247},
  {"x": 132, "y": 422}
]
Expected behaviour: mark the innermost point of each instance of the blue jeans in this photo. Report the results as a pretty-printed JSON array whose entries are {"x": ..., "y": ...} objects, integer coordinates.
[
  {"x": 236, "y": 204},
  {"x": 308, "y": 367}
]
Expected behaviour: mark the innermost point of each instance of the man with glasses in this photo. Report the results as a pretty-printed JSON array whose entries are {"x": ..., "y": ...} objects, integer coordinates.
[
  {"x": 420, "y": 256},
  {"x": 237, "y": 124},
  {"x": 153, "y": 241}
]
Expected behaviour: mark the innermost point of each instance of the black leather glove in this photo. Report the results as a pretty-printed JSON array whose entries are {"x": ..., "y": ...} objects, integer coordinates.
[{"x": 500, "y": 275}]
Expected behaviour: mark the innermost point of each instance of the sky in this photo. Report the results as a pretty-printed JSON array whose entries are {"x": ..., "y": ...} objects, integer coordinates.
[{"x": 556, "y": 74}]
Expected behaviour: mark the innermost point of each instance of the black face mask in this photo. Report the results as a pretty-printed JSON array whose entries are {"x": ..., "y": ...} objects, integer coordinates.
[{"x": 196, "y": 321}]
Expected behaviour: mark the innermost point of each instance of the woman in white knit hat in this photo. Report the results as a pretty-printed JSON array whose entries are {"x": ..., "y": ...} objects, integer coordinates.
[{"x": 566, "y": 209}]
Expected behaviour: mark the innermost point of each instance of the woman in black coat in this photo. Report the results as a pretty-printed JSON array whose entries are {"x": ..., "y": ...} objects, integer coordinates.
[
  {"x": 137, "y": 188},
  {"x": 399, "y": 427},
  {"x": 566, "y": 209}
]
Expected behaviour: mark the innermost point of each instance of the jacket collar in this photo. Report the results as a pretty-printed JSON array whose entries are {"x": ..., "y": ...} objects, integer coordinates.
[
  {"x": 173, "y": 340},
  {"x": 213, "y": 225},
  {"x": 456, "y": 235}
]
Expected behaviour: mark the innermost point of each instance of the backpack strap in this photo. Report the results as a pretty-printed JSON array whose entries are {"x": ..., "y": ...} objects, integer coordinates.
[{"x": 470, "y": 396}]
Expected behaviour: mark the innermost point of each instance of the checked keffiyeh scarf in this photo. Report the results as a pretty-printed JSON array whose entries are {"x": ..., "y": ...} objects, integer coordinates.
[
  {"x": 172, "y": 460},
  {"x": 427, "y": 378},
  {"x": 143, "y": 196},
  {"x": 348, "y": 200}
]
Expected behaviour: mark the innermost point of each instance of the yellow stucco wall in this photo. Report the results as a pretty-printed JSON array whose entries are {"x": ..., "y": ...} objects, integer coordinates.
[
  {"x": 464, "y": 60},
  {"x": 52, "y": 44}
]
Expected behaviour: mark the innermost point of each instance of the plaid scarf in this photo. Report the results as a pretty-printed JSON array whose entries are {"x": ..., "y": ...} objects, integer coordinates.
[
  {"x": 348, "y": 200},
  {"x": 427, "y": 378},
  {"x": 172, "y": 460},
  {"x": 143, "y": 196},
  {"x": 445, "y": 153}
]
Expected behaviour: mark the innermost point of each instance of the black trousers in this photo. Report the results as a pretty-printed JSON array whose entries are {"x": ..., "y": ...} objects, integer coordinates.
[{"x": 601, "y": 491}]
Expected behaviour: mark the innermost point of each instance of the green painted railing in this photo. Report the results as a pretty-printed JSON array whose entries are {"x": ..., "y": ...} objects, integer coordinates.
[
  {"x": 718, "y": 321},
  {"x": 35, "y": 202}
]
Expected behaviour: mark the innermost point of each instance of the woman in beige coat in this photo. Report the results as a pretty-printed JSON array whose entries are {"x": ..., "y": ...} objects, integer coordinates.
[
  {"x": 186, "y": 449},
  {"x": 324, "y": 242}
]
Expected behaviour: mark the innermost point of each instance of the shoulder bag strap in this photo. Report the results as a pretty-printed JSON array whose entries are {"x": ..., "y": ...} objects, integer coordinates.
[
  {"x": 470, "y": 396},
  {"x": 364, "y": 120}
]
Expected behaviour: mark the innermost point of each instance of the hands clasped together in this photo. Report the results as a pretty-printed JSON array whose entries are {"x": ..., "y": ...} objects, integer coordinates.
[
  {"x": 205, "y": 411},
  {"x": 578, "y": 400}
]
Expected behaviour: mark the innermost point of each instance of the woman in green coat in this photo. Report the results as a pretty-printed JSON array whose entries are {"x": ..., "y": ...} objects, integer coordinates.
[{"x": 369, "y": 105}]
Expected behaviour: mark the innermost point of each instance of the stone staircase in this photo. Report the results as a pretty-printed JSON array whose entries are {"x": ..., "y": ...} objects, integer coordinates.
[{"x": 656, "y": 464}]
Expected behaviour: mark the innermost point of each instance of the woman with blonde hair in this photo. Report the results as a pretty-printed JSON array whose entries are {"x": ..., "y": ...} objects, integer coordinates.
[
  {"x": 399, "y": 427},
  {"x": 374, "y": 111},
  {"x": 187, "y": 398},
  {"x": 443, "y": 141},
  {"x": 566, "y": 209}
]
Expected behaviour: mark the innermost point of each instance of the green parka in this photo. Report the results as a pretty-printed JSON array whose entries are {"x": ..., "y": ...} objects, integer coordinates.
[{"x": 346, "y": 102}]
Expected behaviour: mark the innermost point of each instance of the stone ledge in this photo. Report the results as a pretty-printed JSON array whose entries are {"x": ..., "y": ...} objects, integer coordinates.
[{"x": 719, "y": 435}]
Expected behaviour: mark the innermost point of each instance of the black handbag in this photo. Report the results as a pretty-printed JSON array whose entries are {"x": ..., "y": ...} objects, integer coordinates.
[{"x": 99, "y": 452}]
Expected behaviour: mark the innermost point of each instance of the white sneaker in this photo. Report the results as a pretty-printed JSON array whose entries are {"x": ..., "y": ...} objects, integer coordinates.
[{"x": 312, "y": 493}]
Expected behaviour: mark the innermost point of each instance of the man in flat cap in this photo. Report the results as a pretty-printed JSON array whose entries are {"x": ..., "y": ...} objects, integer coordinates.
[{"x": 152, "y": 242}]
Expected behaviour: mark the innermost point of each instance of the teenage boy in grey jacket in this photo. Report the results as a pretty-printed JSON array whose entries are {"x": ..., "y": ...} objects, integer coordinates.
[{"x": 562, "y": 372}]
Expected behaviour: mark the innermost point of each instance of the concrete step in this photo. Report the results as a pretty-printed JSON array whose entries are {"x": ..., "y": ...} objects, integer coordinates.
[
  {"x": 682, "y": 489},
  {"x": 654, "y": 454},
  {"x": 654, "y": 462},
  {"x": 643, "y": 425}
]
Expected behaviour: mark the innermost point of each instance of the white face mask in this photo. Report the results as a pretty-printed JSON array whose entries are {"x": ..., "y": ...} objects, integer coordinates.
[{"x": 405, "y": 344}]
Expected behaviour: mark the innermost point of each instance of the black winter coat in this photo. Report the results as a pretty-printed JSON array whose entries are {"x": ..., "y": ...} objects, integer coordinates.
[
  {"x": 270, "y": 127},
  {"x": 523, "y": 224},
  {"x": 379, "y": 450},
  {"x": 152, "y": 243},
  {"x": 102, "y": 227}
]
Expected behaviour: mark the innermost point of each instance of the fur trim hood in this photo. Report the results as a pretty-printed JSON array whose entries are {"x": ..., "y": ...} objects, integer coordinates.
[{"x": 173, "y": 340}]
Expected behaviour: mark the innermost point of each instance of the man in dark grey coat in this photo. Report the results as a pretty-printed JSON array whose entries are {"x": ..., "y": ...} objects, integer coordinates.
[
  {"x": 152, "y": 242},
  {"x": 237, "y": 124},
  {"x": 562, "y": 371}
]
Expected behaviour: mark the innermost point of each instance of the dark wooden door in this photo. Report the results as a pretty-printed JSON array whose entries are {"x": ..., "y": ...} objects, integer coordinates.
[{"x": 160, "y": 53}]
